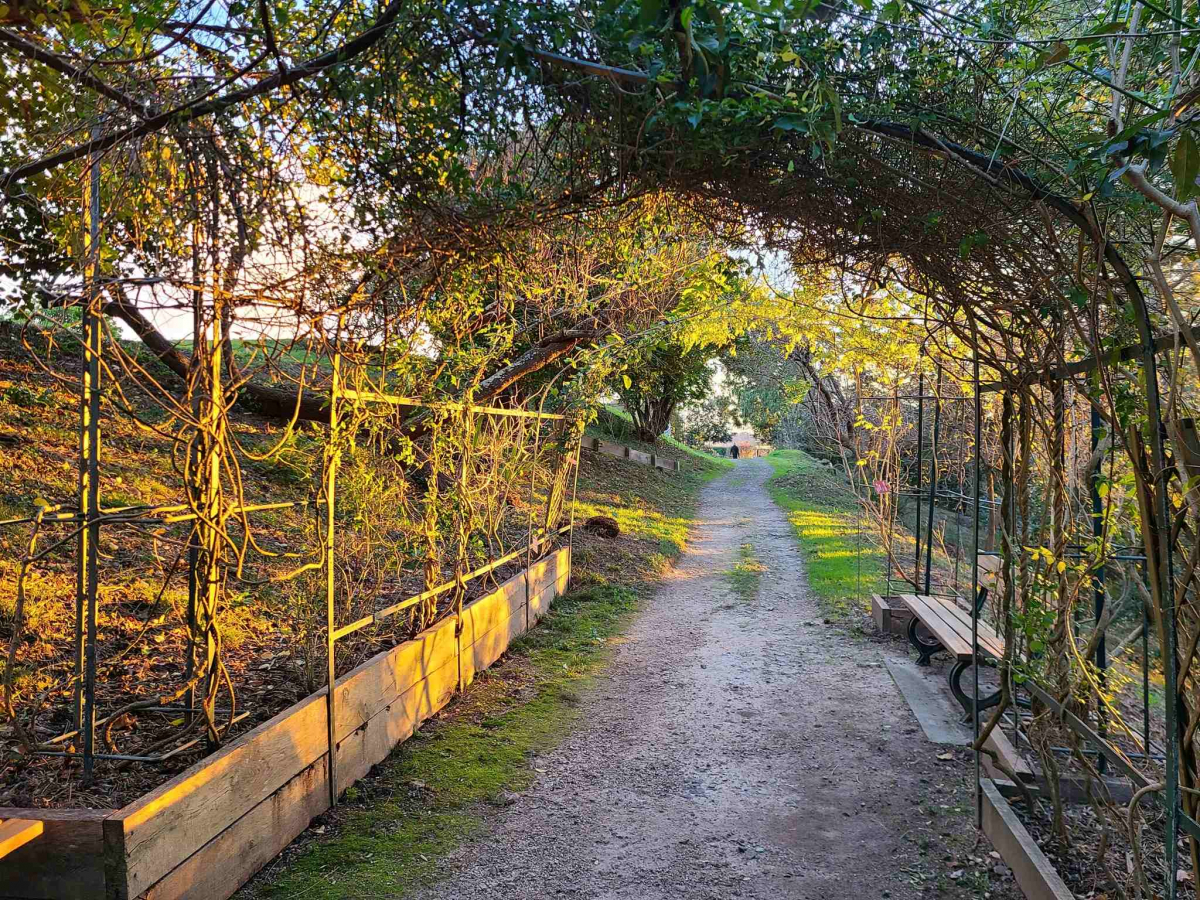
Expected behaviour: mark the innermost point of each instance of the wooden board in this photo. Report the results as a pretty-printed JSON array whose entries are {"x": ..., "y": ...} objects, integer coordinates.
[
  {"x": 547, "y": 579},
  {"x": 1033, "y": 872},
  {"x": 228, "y": 861},
  {"x": 365, "y": 690},
  {"x": 999, "y": 742},
  {"x": 611, "y": 449},
  {"x": 15, "y": 833},
  {"x": 156, "y": 833},
  {"x": 67, "y": 859},
  {"x": 490, "y": 624},
  {"x": 952, "y": 625},
  {"x": 395, "y": 723},
  {"x": 889, "y": 619}
]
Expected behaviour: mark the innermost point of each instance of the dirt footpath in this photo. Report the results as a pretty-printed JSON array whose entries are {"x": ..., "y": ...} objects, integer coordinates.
[{"x": 737, "y": 747}]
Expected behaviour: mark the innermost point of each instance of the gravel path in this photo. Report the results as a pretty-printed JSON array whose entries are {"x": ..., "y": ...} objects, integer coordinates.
[{"x": 736, "y": 748}]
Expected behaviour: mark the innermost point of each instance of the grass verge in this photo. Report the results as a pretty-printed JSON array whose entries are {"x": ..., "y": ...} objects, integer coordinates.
[
  {"x": 844, "y": 564},
  {"x": 394, "y": 827}
]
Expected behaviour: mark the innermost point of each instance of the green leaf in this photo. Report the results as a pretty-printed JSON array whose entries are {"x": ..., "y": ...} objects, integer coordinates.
[
  {"x": 791, "y": 123},
  {"x": 649, "y": 12},
  {"x": 1097, "y": 34},
  {"x": 628, "y": 382},
  {"x": 1185, "y": 166},
  {"x": 1053, "y": 55}
]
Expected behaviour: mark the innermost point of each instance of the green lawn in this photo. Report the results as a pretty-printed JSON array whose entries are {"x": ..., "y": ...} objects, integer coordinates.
[{"x": 844, "y": 564}]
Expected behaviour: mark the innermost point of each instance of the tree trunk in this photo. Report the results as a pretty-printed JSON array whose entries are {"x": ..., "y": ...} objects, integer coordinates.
[
  {"x": 651, "y": 419},
  {"x": 285, "y": 403}
]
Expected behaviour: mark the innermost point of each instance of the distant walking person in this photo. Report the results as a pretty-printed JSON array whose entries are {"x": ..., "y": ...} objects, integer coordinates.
[{"x": 733, "y": 451}]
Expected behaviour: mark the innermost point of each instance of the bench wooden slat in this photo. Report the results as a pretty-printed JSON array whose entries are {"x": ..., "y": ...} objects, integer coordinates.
[
  {"x": 946, "y": 634},
  {"x": 989, "y": 642},
  {"x": 16, "y": 833},
  {"x": 960, "y": 620},
  {"x": 951, "y": 625}
]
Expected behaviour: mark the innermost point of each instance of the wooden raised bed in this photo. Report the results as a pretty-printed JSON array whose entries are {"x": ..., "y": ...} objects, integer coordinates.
[
  {"x": 890, "y": 614},
  {"x": 1032, "y": 870},
  {"x": 204, "y": 833}
]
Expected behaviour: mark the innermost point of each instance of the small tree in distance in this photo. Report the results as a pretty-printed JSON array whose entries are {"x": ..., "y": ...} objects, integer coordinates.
[
  {"x": 661, "y": 378},
  {"x": 711, "y": 421}
]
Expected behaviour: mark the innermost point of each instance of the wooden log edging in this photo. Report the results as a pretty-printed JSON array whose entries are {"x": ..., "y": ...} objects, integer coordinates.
[
  {"x": 204, "y": 833},
  {"x": 621, "y": 451},
  {"x": 1033, "y": 871}
]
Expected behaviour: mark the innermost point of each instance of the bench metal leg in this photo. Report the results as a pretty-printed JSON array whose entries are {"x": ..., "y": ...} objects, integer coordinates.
[
  {"x": 956, "y": 674},
  {"x": 925, "y": 649}
]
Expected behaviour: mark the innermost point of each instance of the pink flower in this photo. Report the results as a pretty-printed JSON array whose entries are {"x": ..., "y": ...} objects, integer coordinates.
[{"x": 881, "y": 486}]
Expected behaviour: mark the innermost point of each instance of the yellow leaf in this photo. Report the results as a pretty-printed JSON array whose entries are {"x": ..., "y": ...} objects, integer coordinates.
[
  {"x": 40, "y": 501},
  {"x": 1062, "y": 567}
]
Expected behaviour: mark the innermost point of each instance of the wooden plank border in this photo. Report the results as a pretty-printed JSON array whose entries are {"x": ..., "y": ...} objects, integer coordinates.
[
  {"x": 1032, "y": 870},
  {"x": 204, "y": 833},
  {"x": 67, "y": 859},
  {"x": 621, "y": 451}
]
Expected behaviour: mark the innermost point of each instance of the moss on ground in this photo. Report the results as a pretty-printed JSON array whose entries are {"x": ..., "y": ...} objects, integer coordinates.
[
  {"x": 393, "y": 827},
  {"x": 746, "y": 575},
  {"x": 844, "y": 563},
  {"x": 391, "y": 832}
]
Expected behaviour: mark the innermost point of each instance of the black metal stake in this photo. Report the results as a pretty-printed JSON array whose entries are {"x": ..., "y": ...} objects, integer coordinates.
[
  {"x": 1101, "y": 658},
  {"x": 89, "y": 475},
  {"x": 920, "y": 466},
  {"x": 933, "y": 478},
  {"x": 974, "y": 582}
]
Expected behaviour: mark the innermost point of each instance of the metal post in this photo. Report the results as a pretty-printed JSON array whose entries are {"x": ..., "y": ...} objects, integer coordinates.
[
  {"x": 331, "y": 583},
  {"x": 89, "y": 475},
  {"x": 1101, "y": 658},
  {"x": 920, "y": 466},
  {"x": 1008, "y": 518},
  {"x": 1145, "y": 671},
  {"x": 974, "y": 583},
  {"x": 1166, "y": 579},
  {"x": 895, "y": 499},
  {"x": 193, "y": 554},
  {"x": 933, "y": 478},
  {"x": 571, "y": 532},
  {"x": 537, "y": 437}
]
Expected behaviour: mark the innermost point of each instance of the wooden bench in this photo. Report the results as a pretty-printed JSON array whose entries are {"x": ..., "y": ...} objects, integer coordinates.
[
  {"x": 16, "y": 833},
  {"x": 949, "y": 628}
]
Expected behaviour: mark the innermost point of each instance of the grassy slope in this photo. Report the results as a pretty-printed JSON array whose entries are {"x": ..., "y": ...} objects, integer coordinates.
[
  {"x": 434, "y": 790},
  {"x": 844, "y": 565},
  {"x": 616, "y": 425}
]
